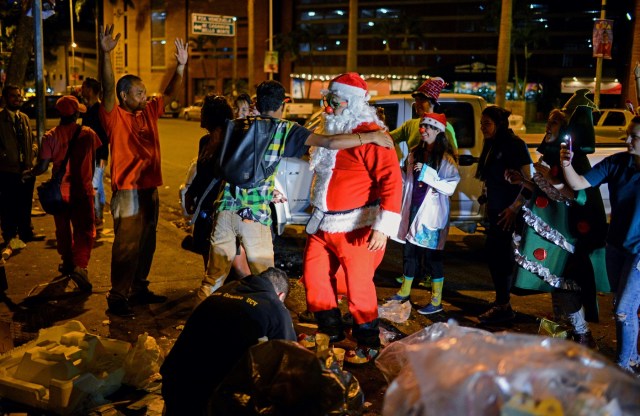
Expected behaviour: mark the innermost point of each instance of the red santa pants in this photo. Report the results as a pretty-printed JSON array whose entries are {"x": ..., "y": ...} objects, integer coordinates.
[
  {"x": 75, "y": 231},
  {"x": 324, "y": 255}
]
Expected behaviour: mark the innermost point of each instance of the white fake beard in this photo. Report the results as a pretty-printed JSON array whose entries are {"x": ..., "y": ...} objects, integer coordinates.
[{"x": 356, "y": 113}]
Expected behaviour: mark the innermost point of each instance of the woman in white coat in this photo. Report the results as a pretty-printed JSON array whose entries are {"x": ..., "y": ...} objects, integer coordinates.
[{"x": 430, "y": 178}]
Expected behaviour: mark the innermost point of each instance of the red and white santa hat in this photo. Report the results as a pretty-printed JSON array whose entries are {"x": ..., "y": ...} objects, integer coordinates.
[
  {"x": 430, "y": 88},
  {"x": 349, "y": 85},
  {"x": 436, "y": 120}
]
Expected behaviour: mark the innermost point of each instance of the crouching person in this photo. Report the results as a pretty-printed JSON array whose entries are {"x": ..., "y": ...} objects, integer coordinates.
[{"x": 218, "y": 333}]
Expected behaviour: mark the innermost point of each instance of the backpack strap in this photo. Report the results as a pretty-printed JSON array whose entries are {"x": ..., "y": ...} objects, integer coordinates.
[{"x": 63, "y": 168}]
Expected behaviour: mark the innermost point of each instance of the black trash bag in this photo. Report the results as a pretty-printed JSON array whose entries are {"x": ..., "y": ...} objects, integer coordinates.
[{"x": 283, "y": 378}]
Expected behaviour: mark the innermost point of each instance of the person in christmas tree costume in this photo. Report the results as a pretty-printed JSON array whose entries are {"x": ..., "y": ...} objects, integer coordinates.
[{"x": 561, "y": 248}]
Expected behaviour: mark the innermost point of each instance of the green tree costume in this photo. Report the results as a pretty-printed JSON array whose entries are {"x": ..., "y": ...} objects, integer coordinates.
[{"x": 562, "y": 244}]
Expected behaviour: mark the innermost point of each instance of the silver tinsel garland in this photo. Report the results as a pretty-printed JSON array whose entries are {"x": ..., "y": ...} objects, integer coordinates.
[
  {"x": 546, "y": 231},
  {"x": 538, "y": 269}
]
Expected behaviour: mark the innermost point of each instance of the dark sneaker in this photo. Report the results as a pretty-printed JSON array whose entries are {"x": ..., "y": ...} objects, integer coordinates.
[
  {"x": 33, "y": 237},
  {"x": 429, "y": 309},
  {"x": 397, "y": 298},
  {"x": 586, "y": 340},
  {"x": 347, "y": 319},
  {"x": 120, "y": 307},
  {"x": 146, "y": 297},
  {"x": 361, "y": 355},
  {"x": 307, "y": 316},
  {"x": 498, "y": 314},
  {"x": 81, "y": 278}
]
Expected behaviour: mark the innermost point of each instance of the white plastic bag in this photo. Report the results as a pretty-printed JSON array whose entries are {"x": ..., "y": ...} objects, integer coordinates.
[{"x": 395, "y": 311}]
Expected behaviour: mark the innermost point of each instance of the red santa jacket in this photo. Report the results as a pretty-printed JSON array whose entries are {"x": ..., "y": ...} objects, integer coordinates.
[{"x": 357, "y": 187}]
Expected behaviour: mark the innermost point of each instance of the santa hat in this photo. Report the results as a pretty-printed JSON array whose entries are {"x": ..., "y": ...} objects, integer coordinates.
[
  {"x": 430, "y": 88},
  {"x": 349, "y": 85},
  {"x": 438, "y": 121}
]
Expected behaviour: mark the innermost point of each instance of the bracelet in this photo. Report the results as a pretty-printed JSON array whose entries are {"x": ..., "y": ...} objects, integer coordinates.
[{"x": 359, "y": 138}]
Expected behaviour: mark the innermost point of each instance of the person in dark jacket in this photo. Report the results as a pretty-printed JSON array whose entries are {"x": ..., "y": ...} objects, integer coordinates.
[
  {"x": 18, "y": 148},
  {"x": 91, "y": 90},
  {"x": 502, "y": 151},
  {"x": 218, "y": 333}
]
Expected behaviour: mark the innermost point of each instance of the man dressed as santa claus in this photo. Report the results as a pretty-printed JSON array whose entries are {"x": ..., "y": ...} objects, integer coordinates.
[{"x": 356, "y": 195}]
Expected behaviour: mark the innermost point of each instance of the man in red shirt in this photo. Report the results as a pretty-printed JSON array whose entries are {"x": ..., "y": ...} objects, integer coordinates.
[
  {"x": 132, "y": 127},
  {"x": 75, "y": 228}
]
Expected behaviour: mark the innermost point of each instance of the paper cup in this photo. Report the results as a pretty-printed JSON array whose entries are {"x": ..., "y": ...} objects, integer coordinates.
[
  {"x": 339, "y": 354},
  {"x": 322, "y": 342}
]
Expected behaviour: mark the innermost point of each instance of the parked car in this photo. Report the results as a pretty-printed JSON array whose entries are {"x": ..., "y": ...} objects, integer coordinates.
[
  {"x": 192, "y": 112},
  {"x": 610, "y": 124}
]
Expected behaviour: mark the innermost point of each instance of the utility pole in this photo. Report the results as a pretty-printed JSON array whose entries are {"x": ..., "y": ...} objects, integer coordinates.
[
  {"x": 250, "y": 45},
  {"x": 39, "y": 63},
  {"x": 72, "y": 78},
  {"x": 504, "y": 52},
  {"x": 270, "y": 35},
  {"x": 352, "y": 41},
  {"x": 596, "y": 94}
]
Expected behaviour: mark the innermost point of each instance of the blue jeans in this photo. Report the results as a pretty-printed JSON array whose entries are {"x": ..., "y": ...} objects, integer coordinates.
[
  {"x": 624, "y": 275},
  {"x": 98, "y": 186}
]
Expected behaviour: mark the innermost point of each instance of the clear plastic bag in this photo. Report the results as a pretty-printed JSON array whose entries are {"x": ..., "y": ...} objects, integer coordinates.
[
  {"x": 395, "y": 311},
  {"x": 446, "y": 369}
]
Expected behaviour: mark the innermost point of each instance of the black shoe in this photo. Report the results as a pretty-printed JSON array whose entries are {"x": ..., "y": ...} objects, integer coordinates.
[
  {"x": 81, "y": 278},
  {"x": 498, "y": 314},
  {"x": 33, "y": 237},
  {"x": 120, "y": 307},
  {"x": 347, "y": 319},
  {"x": 307, "y": 316},
  {"x": 146, "y": 297},
  {"x": 586, "y": 340}
]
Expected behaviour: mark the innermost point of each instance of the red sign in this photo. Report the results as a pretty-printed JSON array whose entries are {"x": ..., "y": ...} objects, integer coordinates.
[{"x": 602, "y": 38}]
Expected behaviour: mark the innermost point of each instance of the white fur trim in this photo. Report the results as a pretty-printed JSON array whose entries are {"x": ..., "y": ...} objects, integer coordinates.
[
  {"x": 388, "y": 223},
  {"x": 344, "y": 90},
  {"x": 322, "y": 162},
  {"x": 433, "y": 122},
  {"x": 343, "y": 223}
]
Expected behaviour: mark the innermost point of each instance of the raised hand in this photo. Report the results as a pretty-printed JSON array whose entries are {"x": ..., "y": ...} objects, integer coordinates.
[
  {"x": 565, "y": 155},
  {"x": 107, "y": 41},
  {"x": 182, "y": 51}
]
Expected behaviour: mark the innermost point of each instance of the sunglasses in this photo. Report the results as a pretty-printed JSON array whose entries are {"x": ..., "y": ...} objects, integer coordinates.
[{"x": 333, "y": 101}]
